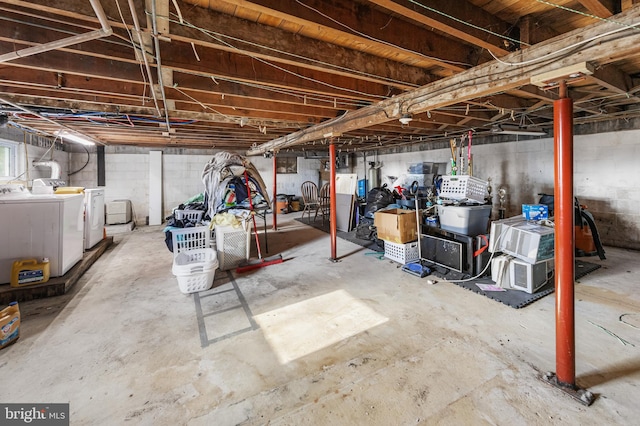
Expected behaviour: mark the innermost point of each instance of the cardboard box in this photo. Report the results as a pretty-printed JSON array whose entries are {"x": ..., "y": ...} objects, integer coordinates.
[
  {"x": 535, "y": 211},
  {"x": 396, "y": 225}
]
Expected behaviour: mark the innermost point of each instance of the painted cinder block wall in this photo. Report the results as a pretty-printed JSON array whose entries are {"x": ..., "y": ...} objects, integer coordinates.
[
  {"x": 127, "y": 175},
  {"x": 606, "y": 176}
]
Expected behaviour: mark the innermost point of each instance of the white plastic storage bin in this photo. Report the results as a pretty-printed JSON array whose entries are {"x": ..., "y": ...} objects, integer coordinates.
[
  {"x": 401, "y": 253},
  {"x": 233, "y": 245},
  {"x": 466, "y": 220},
  {"x": 196, "y": 237}
]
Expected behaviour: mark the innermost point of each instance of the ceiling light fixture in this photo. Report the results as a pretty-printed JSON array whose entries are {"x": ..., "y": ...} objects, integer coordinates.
[
  {"x": 505, "y": 129},
  {"x": 405, "y": 119},
  {"x": 76, "y": 138}
]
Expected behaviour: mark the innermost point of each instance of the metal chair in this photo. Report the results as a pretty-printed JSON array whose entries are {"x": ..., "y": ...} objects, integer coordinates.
[
  {"x": 324, "y": 200},
  {"x": 311, "y": 199}
]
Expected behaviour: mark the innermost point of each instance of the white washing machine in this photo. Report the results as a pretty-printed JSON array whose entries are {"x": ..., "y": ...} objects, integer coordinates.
[
  {"x": 93, "y": 217},
  {"x": 39, "y": 226}
]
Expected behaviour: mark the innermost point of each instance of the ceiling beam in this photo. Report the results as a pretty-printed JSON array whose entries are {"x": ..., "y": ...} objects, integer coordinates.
[
  {"x": 358, "y": 26},
  {"x": 460, "y": 19},
  {"x": 602, "y": 8},
  {"x": 613, "y": 79},
  {"x": 229, "y": 33},
  {"x": 483, "y": 80}
]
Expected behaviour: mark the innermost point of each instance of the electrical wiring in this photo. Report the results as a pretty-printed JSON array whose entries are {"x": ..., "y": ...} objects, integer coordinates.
[
  {"x": 135, "y": 46},
  {"x": 381, "y": 41},
  {"x": 85, "y": 164},
  {"x": 215, "y": 35},
  {"x": 571, "y": 46},
  {"x": 175, "y": 87},
  {"x": 299, "y": 95},
  {"x": 469, "y": 24},
  {"x": 279, "y": 67},
  {"x": 578, "y": 12}
]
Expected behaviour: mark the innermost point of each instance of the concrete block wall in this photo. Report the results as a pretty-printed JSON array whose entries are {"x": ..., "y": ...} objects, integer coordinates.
[
  {"x": 605, "y": 177},
  {"x": 84, "y": 167},
  {"x": 288, "y": 183},
  {"x": 182, "y": 178},
  {"x": 127, "y": 175}
]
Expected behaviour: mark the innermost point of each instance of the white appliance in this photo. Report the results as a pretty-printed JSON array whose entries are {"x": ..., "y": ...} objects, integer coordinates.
[
  {"x": 39, "y": 226},
  {"x": 528, "y": 241},
  {"x": 93, "y": 217},
  {"x": 118, "y": 211},
  {"x": 499, "y": 231},
  {"x": 527, "y": 277},
  {"x": 500, "y": 271},
  {"x": 46, "y": 186}
]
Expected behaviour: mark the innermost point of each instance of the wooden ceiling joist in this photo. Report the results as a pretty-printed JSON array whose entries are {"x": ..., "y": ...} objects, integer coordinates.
[{"x": 484, "y": 80}]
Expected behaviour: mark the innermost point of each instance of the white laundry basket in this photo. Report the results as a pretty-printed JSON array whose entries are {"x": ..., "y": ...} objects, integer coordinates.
[
  {"x": 195, "y": 269},
  {"x": 233, "y": 245},
  {"x": 192, "y": 215},
  {"x": 190, "y": 238},
  {"x": 194, "y": 261}
]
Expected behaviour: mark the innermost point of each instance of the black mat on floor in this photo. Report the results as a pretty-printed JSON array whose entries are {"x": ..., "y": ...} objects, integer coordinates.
[
  {"x": 349, "y": 236},
  {"x": 515, "y": 298}
]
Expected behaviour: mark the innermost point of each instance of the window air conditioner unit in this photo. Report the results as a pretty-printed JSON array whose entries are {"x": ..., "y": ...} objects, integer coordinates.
[
  {"x": 527, "y": 277},
  {"x": 530, "y": 242}
]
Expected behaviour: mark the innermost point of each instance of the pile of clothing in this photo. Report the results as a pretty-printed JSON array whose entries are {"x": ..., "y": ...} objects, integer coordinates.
[
  {"x": 225, "y": 199},
  {"x": 224, "y": 183}
]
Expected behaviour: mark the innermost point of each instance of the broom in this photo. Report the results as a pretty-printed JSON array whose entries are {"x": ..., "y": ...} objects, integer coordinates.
[{"x": 255, "y": 264}]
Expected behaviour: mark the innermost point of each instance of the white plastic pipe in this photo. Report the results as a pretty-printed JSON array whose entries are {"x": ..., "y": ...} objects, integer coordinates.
[
  {"x": 55, "y": 167},
  {"x": 105, "y": 31}
]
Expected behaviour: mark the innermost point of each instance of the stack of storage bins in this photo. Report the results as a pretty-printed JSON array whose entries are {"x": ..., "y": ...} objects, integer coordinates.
[{"x": 194, "y": 261}]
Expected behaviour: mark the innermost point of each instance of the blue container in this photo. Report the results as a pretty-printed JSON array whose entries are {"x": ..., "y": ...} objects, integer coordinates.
[
  {"x": 535, "y": 211},
  {"x": 362, "y": 188}
]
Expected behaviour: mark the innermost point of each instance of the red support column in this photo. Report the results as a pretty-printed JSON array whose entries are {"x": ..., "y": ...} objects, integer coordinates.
[
  {"x": 332, "y": 204},
  {"x": 564, "y": 240},
  {"x": 565, "y": 376},
  {"x": 274, "y": 201}
]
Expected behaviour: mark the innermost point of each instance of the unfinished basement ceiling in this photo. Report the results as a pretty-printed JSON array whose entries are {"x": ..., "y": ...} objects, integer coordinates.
[{"x": 267, "y": 75}]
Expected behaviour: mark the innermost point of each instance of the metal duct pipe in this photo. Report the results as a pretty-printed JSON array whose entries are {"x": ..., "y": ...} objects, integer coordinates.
[
  {"x": 156, "y": 41},
  {"x": 105, "y": 31},
  {"x": 136, "y": 25},
  {"x": 55, "y": 167}
]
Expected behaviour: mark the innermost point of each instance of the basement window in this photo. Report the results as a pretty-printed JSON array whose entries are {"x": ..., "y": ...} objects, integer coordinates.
[
  {"x": 8, "y": 159},
  {"x": 287, "y": 164}
]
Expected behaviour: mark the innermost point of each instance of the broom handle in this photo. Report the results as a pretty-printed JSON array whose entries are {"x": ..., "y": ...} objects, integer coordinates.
[{"x": 255, "y": 227}]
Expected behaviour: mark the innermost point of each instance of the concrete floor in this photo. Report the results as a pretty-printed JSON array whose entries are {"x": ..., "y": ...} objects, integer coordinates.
[{"x": 312, "y": 342}]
